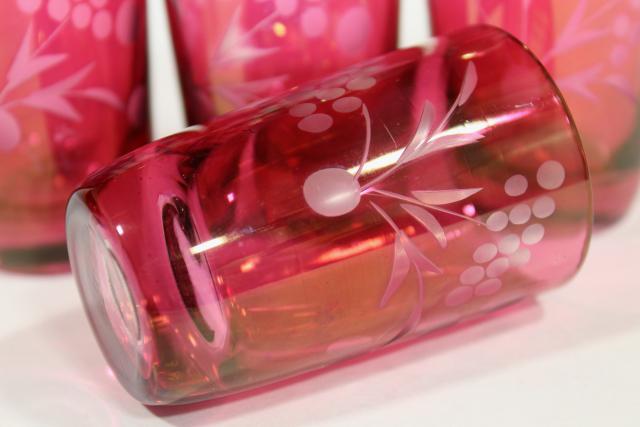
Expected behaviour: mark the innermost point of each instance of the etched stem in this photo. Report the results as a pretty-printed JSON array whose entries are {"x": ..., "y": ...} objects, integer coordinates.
[
  {"x": 414, "y": 318},
  {"x": 6, "y": 89},
  {"x": 365, "y": 188},
  {"x": 51, "y": 37},
  {"x": 263, "y": 23},
  {"x": 367, "y": 144},
  {"x": 572, "y": 30},
  {"x": 447, "y": 118},
  {"x": 607, "y": 6},
  {"x": 386, "y": 217}
]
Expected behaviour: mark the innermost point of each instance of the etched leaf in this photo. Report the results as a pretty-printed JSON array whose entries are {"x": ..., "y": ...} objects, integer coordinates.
[
  {"x": 70, "y": 82},
  {"x": 429, "y": 222},
  {"x": 573, "y": 34},
  {"x": 468, "y": 84},
  {"x": 447, "y": 142},
  {"x": 9, "y": 131},
  {"x": 444, "y": 197},
  {"x": 573, "y": 24},
  {"x": 416, "y": 314},
  {"x": 576, "y": 40},
  {"x": 623, "y": 85},
  {"x": 102, "y": 95},
  {"x": 400, "y": 197},
  {"x": 421, "y": 134},
  {"x": 234, "y": 45},
  {"x": 19, "y": 65},
  {"x": 579, "y": 82},
  {"x": 26, "y": 66},
  {"x": 24, "y": 71},
  {"x": 417, "y": 257},
  {"x": 397, "y": 196},
  {"x": 52, "y": 103},
  {"x": 367, "y": 141},
  {"x": 51, "y": 98},
  {"x": 399, "y": 271}
]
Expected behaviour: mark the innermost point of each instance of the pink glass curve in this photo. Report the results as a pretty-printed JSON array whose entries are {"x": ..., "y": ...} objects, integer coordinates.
[
  {"x": 444, "y": 183},
  {"x": 232, "y": 54},
  {"x": 592, "y": 49},
  {"x": 72, "y": 99}
]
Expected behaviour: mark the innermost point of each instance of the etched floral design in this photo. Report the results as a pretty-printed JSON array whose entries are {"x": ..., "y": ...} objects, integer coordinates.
[
  {"x": 31, "y": 61},
  {"x": 580, "y": 30},
  {"x": 238, "y": 46},
  {"x": 335, "y": 192}
]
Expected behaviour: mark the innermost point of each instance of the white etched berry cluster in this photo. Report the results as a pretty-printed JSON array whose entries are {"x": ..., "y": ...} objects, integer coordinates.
[
  {"x": 514, "y": 234},
  {"x": 343, "y": 100},
  {"x": 93, "y": 15}
]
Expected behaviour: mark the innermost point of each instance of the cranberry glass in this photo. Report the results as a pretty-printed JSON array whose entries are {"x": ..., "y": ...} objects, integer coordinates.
[
  {"x": 234, "y": 53},
  {"x": 399, "y": 196},
  {"x": 72, "y": 99},
  {"x": 592, "y": 49}
]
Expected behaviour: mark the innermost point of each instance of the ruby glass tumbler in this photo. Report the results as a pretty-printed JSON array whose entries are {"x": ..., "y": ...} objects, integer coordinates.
[
  {"x": 592, "y": 50},
  {"x": 72, "y": 99},
  {"x": 235, "y": 52},
  {"x": 396, "y": 197}
]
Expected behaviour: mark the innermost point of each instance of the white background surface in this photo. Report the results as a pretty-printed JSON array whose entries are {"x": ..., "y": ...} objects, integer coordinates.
[{"x": 571, "y": 359}]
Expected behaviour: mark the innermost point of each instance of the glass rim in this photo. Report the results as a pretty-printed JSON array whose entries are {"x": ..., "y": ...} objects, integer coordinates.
[{"x": 577, "y": 137}]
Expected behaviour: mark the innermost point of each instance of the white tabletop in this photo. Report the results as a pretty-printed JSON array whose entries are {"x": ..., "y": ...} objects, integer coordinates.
[{"x": 571, "y": 359}]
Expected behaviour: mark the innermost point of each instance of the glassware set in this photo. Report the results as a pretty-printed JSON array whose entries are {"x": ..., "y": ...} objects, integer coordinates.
[{"x": 338, "y": 197}]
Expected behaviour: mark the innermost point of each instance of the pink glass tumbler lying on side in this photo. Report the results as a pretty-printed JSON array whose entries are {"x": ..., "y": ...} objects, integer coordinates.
[
  {"x": 592, "y": 50},
  {"x": 437, "y": 184},
  {"x": 72, "y": 99},
  {"x": 234, "y": 52}
]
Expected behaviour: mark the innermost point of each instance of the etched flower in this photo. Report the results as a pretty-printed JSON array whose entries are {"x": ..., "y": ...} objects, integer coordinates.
[
  {"x": 32, "y": 61},
  {"x": 237, "y": 45},
  {"x": 581, "y": 29},
  {"x": 335, "y": 192}
]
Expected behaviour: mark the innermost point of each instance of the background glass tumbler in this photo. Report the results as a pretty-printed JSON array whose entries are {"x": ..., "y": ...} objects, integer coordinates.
[
  {"x": 72, "y": 99},
  {"x": 235, "y": 52},
  {"x": 592, "y": 49},
  {"x": 402, "y": 195}
]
